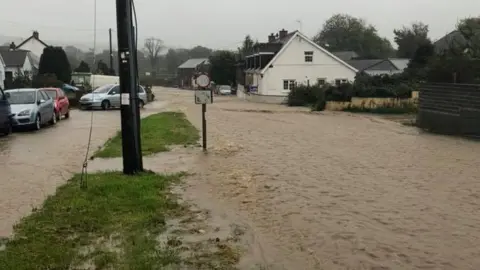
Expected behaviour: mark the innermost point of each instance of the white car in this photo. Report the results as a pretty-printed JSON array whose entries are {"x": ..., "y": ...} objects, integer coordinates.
[
  {"x": 224, "y": 90},
  {"x": 108, "y": 96}
]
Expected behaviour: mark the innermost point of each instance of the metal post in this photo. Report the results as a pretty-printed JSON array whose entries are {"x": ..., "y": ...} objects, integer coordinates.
[
  {"x": 111, "y": 50},
  {"x": 126, "y": 71},
  {"x": 204, "y": 127}
]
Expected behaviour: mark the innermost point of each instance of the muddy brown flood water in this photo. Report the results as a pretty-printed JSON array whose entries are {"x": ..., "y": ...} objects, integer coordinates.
[{"x": 337, "y": 190}]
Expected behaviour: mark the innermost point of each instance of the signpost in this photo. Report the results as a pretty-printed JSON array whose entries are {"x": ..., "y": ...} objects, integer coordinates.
[{"x": 203, "y": 96}]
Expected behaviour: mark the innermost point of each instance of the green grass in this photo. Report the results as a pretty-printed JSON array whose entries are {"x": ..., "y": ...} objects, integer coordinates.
[
  {"x": 78, "y": 226},
  {"x": 158, "y": 131},
  {"x": 398, "y": 108}
]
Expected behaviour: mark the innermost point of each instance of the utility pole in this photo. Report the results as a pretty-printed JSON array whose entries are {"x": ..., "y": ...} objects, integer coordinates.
[
  {"x": 132, "y": 158},
  {"x": 111, "y": 50}
]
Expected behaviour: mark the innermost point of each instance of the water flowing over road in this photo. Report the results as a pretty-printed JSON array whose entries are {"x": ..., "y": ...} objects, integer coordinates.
[
  {"x": 338, "y": 190},
  {"x": 318, "y": 190}
]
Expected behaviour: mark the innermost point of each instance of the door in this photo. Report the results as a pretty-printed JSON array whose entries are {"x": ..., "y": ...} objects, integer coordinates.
[
  {"x": 44, "y": 107},
  {"x": 62, "y": 102},
  {"x": 114, "y": 96}
]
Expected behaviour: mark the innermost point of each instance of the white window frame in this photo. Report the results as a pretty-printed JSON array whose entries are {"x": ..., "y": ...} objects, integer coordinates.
[
  {"x": 308, "y": 56},
  {"x": 342, "y": 80},
  {"x": 324, "y": 80},
  {"x": 291, "y": 84}
]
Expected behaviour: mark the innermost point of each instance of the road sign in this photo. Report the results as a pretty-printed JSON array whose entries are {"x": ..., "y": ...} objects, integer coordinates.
[
  {"x": 203, "y": 80},
  {"x": 203, "y": 97}
]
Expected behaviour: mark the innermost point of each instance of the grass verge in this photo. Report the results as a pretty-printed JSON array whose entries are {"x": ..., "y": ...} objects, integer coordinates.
[
  {"x": 398, "y": 108},
  {"x": 115, "y": 223},
  {"x": 105, "y": 226},
  {"x": 158, "y": 131}
]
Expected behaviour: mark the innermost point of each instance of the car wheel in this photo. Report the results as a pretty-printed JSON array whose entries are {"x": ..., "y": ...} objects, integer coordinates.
[
  {"x": 7, "y": 130},
  {"x": 105, "y": 105},
  {"x": 141, "y": 104},
  {"x": 67, "y": 115},
  {"x": 54, "y": 119},
  {"x": 38, "y": 122}
]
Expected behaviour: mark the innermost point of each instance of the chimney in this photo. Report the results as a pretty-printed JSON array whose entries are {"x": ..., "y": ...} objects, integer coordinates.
[
  {"x": 282, "y": 33},
  {"x": 13, "y": 46},
  {"x": 35, "y": 34},
  {"x": 271, "y": 38}
]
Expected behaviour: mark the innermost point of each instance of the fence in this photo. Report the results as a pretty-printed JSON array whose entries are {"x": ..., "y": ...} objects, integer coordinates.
[{"x": 450, "y": 108}]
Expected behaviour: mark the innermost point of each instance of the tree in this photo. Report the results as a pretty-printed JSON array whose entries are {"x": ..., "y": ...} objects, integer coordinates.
[
  {"x": 199, "y": 52},
  {"x": 153, "y": 47},
  {"x": 247, "y": 46},
  {"x": 410, "y": 38},
  {"x": 223, "y": 69},
  {"x": 54, "y": 61},
  {"x": 102, "y": 68},
  {"x": 174, "y": 58},
  {"x": 343, "y": 32},
  {"x": 83, "y": 67}
]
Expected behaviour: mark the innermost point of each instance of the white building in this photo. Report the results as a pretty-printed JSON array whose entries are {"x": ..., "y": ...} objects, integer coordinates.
[
  {"x": 16, "y": 62},
  {"x": 33, "y": 44},
  {"x": 272, "y": 69},
  {"x": 2, "y": 72}
]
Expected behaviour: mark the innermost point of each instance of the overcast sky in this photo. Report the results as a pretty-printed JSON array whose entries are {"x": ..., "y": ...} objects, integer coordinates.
[{"x": 222, "y": 24}]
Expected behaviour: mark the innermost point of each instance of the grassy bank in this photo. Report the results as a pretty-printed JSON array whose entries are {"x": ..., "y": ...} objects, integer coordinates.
[
  {"x": 113, "y": 224},
  {"x": 158, "y": 131},
  {"x": 397, "y": 108}
]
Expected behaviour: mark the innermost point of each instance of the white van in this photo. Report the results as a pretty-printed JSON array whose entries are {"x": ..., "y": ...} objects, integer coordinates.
[{"x": 81, "y": 78}]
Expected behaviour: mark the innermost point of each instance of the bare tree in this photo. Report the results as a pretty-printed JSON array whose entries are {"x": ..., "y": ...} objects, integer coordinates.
[{"x": 153, "y": 47}]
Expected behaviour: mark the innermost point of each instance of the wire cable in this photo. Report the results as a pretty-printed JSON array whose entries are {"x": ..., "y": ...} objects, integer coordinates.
[{"x": 84, "y": 175}]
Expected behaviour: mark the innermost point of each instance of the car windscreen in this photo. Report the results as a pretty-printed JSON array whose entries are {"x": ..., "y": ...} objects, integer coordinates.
[
  {"x": 22, "y": 97},
  {"x": 51, "y": 93},
  {"x": 103, "y": 89}
]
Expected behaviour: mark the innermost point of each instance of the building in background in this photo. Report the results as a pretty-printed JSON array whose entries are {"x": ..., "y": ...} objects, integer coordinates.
[{"x": 187, "y": 72}]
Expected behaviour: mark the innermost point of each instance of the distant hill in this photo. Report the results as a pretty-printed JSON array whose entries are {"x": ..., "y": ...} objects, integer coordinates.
[{"x": 83, "y": 47}]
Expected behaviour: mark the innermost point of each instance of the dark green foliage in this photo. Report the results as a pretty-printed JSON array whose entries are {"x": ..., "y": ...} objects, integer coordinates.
[
  {"x": 223, "y": 70},
  {"x": 46, "y": 80},
  {"x": 102, "y": 68},
  {"x": 82, "y": 67},
  {"x": 303, "y": 95},
  {"x": 409, "y": 39},
  {"x": 20, "y": 81},
  {"x": 55, "y": 61},
  {"x": 382, "y": 86},
  {"x": 343, "y": 32},
  {"x": 343, "y": 92}
]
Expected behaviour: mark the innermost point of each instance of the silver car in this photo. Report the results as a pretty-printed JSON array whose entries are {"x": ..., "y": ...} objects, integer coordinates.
[
  {"x": 31, "y": 107},
  {"x": 108, "y": 96}
]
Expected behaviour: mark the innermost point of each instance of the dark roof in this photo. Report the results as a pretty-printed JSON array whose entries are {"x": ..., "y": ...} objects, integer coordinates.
[
  {"x": 363, "y": 64},
  {"x": 193, "y": 63},
  {"x": 346, "y": 55},
  {"x": 32, "y": 36},
  {"x": 14, "y": 58}
]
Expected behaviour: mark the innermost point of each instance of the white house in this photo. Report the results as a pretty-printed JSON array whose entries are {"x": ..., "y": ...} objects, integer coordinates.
[
  {"x": 2, "y": 72},
  {"x": 16, "y": 62},
  {"x": 33, "y": 44},
  {"x": 272, "y": 69}
]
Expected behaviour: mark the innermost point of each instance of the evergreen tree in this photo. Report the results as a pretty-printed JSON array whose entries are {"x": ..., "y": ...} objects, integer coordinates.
[{"x": 54, "y": 61}]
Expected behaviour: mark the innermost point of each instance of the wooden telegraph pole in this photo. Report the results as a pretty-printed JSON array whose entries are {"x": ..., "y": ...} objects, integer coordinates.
[{"x": 132, "y": 158}]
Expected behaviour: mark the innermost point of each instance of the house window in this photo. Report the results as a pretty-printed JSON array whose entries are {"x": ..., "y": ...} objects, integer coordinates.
[
  {"x": 340, "y": 81},
  {"x": 321, "y": 81},
  {"x": 288, "y": 84},
  {"x": 309, "y": 56}
]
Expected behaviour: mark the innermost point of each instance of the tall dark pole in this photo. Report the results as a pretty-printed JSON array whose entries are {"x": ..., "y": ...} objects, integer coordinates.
[
  {"x": 127, "y": 86},
  {"x": 111, "y": 50},
  {"x": 138, "y": 143}
]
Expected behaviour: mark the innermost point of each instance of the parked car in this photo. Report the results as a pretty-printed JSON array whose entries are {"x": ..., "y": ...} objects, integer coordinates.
[
  {"x": 224, "y": 90},
  {"x": 31, "y": 107},
  {"x": 5, "y": 114},
  {"x": 108, "y": 96},
  {"x": 61, "y": 102}
]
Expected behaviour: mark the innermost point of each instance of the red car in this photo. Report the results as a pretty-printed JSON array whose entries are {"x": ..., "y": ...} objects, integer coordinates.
[{"x": 62, "y": 105}]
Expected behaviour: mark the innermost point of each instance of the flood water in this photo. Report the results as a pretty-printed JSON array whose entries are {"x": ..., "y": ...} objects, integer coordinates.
[
  {"x": 338, "y": 190},
  {"x": 318, "y": 191}
]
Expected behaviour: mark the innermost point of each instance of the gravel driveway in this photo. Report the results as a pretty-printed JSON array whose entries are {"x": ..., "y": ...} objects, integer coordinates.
[{"x": 339, "y": 190}]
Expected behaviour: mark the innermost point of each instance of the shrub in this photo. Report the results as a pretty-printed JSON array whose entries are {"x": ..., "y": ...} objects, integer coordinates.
[
  {"x": 343, "y": 92},
  {"x": 46, "y": 80},
  {"x": 303, "y": 95}
]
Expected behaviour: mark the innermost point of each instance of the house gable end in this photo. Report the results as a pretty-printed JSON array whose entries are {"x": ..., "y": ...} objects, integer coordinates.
[{"x": 315, "y": 47}]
